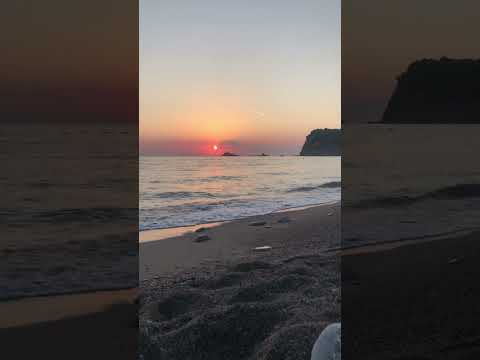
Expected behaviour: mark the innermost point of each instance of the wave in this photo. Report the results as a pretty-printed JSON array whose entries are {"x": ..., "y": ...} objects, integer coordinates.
[
  {"x": 328, "y": 185},
  {"x": 458, "y": 191},
  {"x": 205, "y": 206},
  {"x": 224, "y": 177},
  {"x": 214, "y": 211},
  {"x": 183, "y": 195},
  {"x": 68, "y": 215},
  {"x": 210, "y": 179}
]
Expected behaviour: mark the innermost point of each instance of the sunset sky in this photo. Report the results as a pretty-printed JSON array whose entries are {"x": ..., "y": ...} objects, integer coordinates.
[{"x": 247, "y": 76}]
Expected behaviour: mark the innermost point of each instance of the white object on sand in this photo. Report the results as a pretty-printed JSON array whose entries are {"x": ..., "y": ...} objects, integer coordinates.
[
  {"x": 262, "y": 248},
  {"x": 329, "y": 344}
]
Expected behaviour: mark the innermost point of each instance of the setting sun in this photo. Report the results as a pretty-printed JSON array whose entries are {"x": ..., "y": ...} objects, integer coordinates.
[{"x": 215, "y": 147}]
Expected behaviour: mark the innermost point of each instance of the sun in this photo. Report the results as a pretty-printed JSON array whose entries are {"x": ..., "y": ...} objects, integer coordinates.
[{"x": 215, "y": 147}]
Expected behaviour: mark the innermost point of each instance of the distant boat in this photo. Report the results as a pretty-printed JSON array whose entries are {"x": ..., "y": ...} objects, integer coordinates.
[{"x": 229, "y": 154}]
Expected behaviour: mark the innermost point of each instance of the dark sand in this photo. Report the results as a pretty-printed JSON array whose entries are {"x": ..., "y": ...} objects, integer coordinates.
[
  {"x": 418, "y": 301},
  {"x": 220, "y": 299},
  {"x": 97, "y": 325}
]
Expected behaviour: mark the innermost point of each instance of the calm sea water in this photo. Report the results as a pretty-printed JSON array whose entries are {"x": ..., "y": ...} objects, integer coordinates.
[
  {"x": 179, "y": 191},
  {"x": 69, "y": 207},
  {"x": 385, "y": 165}
]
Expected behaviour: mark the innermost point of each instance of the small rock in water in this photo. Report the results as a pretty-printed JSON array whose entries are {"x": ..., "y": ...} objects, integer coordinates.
[
  {"x": 258, "y": 223},
  {"x": 199, "y": 230},
  {"x": 202, "y": 238},
  {"x": 262, "y": 248},
  {"x": 284, "y": 220}
]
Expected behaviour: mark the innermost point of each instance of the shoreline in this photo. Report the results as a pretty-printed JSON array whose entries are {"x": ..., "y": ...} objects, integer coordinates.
[
  {"x": 47, "y": 308},
  {"x": 238, "y": 238},
  {"x": 382, "y": 246},
  {"x": 174, "y": 231}
]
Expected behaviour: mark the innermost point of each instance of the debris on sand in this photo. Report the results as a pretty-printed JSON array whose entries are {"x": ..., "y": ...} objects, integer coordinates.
[
  {"x": 202, "y": 238},
  {"x": 262, "y": 248},
  {"x": 258, "y": 223}
]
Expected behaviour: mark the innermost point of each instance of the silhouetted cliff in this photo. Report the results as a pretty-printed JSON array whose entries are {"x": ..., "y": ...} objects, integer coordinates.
[
  {"x": 436, "y": 91},
  {"x": 324, "y": 142}
]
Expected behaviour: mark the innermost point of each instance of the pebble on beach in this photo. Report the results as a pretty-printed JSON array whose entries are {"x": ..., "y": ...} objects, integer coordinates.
[
  {"x": 202, "y": 238},
  {"x": 258, "y": 223}
]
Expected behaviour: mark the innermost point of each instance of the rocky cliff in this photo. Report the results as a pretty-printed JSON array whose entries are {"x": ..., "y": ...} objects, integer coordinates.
[
  {"x": 322, "y": 142},
  {"x": 436, "y": 91}
]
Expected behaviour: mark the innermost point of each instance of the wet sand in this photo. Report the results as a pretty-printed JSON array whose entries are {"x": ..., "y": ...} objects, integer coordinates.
[
  {"x": 221, "y": 299},
  {"x": 96, "y": 325},
  {"x": 32, "y": 310}
]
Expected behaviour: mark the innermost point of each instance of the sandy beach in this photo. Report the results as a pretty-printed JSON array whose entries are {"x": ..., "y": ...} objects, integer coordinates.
[
  {"x": 413, "y": 293},
  {"x": 210, "y": 295}
]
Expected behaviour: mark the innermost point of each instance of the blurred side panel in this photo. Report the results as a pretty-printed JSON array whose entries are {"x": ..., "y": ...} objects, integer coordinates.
[
  {"x": 410, "y": 180},
  {"x": 69, "y": 150}
]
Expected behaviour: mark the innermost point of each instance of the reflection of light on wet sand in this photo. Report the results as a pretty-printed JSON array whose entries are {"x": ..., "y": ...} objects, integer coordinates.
[
  {"x": 50, "y": 308},
  {"x": 306, "y": 207},
  {"x": 162, "y": 234},
  {"x": 391, "y": 245}
]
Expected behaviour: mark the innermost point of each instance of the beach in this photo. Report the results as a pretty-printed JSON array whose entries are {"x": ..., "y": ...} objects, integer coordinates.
[
  {"x": 261, "y": 287},
  {"x": 90, "y": 325},
  {"x": 411, "y": 300}
]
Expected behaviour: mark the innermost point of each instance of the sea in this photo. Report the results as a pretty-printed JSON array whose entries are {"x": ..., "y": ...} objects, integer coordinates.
[
  {"x": 409, "y": 181},
  {"x": 182, "y": 191},
  {"x": 69, "y": 207}
]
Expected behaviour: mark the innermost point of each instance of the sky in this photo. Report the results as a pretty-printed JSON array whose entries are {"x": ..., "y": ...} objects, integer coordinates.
[
  {"x": 381, "y": 38},
  {"x": 247, "y": 76},
  {"x": 69, "y": 61}
]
